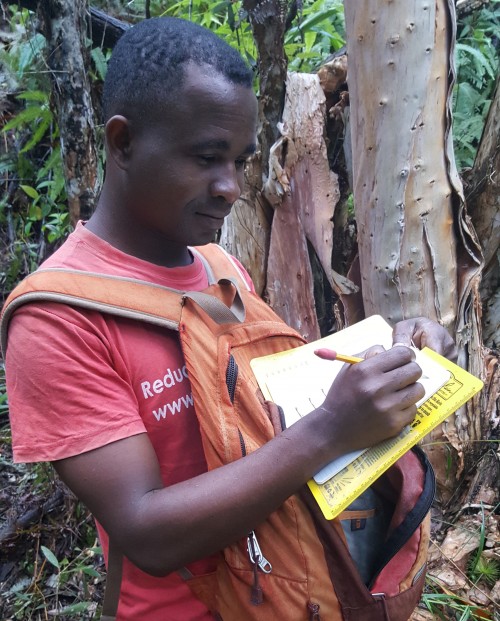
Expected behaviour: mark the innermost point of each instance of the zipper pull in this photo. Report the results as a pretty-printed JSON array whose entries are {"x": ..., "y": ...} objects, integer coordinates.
[
  {"x": 256, "y": 593},
  {"x": 380, "y": 597},
  {"x": 313, "y": 612},
  {"x": 255, "y": 554}
]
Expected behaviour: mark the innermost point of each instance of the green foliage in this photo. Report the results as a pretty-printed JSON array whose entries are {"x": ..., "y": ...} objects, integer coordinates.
[
  {"x": 59, "y": 587},
  {"x": 482, "y": 568},
  {"x": 447, "y": 607},
  {"x": 33, "y": 208},
  {"x": 317, "y": 31},
  {"x": 34, "y": 216},
  {"x": 18, "y": 59},
  {"x": 35, "y": 213},
  {"x": 485, "y": 570},
  {"x": 477, "y": 56}
]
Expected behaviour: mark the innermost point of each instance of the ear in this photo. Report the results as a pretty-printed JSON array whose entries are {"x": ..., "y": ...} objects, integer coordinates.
[{"x": 119, "y": 140}]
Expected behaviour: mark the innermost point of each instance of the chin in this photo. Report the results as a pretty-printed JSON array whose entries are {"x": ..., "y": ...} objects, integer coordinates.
[{"x": 203, "y": 240}]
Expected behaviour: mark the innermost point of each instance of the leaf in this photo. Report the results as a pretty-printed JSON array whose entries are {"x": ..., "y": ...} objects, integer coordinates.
[
  {"x": 38, "y": 134},
  {"x": 6, "y": 166},
  {"x": 31, "y": 192},
  {"x": 46, "y": 209},
  {"x": 35, "y": 212},
  {"x": 34, "y": 96},
  {"x": 90, "y": 571},
  {"x": 52, "y": 164},
  {"x": 50, "y": 556},
  {"x": 99, "y": 61},
  {"x": 30, "y": 50},
  {"x": 74, "y": 608},
  {"x": 479, "y": 57},
  {"x": 310, "y": 39},
  {"x": 25, "y": 116}
]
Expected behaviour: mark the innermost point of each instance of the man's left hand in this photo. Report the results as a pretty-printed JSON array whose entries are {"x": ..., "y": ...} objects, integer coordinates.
[{"x": 422, "y": 332}]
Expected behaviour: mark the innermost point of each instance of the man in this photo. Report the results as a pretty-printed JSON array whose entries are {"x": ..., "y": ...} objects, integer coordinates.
[{"x": 107, "y": 400}]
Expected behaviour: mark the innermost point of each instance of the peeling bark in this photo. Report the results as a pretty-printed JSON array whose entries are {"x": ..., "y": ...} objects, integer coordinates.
[
  {"x": 267, "y": 19},
  {"x": 483, "y": 198},
  {"x": 64, "y": 28},
  {"x": 465, "y": 7},
  {"x": 303, "y": 191}
]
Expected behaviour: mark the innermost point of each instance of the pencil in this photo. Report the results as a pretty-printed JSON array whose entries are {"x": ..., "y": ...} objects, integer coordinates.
[{"x": 330, "y": 354}]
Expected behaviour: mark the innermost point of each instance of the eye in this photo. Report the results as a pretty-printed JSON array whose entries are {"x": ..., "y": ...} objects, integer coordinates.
[
  {"x": 240, "y": 163},
  {"x": 206, "y": 159}
]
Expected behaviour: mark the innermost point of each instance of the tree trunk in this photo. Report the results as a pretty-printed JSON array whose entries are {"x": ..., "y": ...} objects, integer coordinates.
[
  {"x": 418, "y": 252},
  {"x": 63, "y": 24},
  {"x": 246, "y": 231},
  {"x": 483, "y": 197}
]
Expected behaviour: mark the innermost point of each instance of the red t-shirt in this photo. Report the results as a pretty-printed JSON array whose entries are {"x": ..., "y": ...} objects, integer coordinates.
[{"x": 78, "y": 380}]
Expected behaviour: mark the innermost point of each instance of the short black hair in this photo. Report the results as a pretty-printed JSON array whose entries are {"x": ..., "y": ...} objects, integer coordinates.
[{"x": 146, "y": 67}]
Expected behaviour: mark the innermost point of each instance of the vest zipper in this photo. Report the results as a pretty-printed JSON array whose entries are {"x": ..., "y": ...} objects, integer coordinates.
[
  {"x": 231, "y": 376},
  {"x": 258, "y": 560},
  {"x": 414, "y": 518},
  {"x": 231, "y": 379}
]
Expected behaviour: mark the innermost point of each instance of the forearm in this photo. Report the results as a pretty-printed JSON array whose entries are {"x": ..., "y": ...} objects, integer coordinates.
[
  {"x": 162, "y": 528},
  {"x": 195, "y": 518}
]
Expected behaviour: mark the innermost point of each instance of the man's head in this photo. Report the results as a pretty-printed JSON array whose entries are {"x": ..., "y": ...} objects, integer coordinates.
[
  {"x": 147, "y": 67},
  {"x": 180, "y": 124}
]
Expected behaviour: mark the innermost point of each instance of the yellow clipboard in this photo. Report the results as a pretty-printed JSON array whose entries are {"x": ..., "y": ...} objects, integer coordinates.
[
  {"x": 279, "y": 373},
  {"x": 338, "y": 493}
]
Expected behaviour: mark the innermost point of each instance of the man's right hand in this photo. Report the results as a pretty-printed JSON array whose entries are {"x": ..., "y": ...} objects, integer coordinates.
[{"x": 374, "y": 399}]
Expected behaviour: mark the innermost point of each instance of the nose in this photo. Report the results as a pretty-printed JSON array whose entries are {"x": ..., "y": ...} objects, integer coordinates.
[{"x": 228, "y": 184}]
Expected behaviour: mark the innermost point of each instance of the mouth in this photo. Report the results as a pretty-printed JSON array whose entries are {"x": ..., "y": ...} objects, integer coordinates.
[{"x": 213, "y": 217}]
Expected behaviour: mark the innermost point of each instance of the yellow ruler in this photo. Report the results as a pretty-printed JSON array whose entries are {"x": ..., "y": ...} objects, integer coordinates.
[{"x": 338, "y": 493}]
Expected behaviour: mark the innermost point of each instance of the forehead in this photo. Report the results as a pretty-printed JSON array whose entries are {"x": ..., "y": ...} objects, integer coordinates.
[{"x": 207, "y": 101}]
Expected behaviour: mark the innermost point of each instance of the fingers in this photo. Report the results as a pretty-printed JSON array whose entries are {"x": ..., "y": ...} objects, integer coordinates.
[
  {"x": 410, "y": 395},
  {"x": 399, "y": 409},
  {"x": 385, "y": 373},
  {"x": 423, "y": 332},
  {"x": 372, "y": 351},
  {"x": 405, "y": 417},
  {"x": 374, "y": 399},
  {"x": 390, "y": 378},
  {"x": 391, "y": 359},
  {"x": 401, "y": 388},
  {"x": 438, "y": 340}
]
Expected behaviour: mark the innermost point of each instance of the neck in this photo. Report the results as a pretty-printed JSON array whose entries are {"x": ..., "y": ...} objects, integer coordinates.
[{"x": 133, "y": 238}]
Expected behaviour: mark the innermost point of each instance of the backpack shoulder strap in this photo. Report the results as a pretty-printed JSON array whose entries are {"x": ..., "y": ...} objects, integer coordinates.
[
  {"x": 219, "y": 264},
  {"x": 117, "y": 295},
  {"x": 124, "y": 297}
]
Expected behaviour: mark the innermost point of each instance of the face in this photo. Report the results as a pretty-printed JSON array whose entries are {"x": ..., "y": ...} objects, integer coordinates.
[{"x": 184, "y": 172}]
